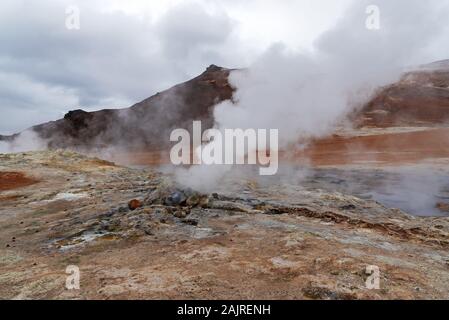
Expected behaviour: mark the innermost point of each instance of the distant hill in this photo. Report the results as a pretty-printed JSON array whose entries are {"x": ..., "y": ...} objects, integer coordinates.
[
  {"x": 420, "y": 98},
  {"x": 146, "y": 124}
]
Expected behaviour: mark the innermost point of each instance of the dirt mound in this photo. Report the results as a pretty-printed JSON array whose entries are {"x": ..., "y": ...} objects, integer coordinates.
[{"x": 14, "y": 180}]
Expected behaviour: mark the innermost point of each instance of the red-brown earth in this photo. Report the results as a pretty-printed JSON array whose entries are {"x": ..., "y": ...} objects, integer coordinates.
[{"x": 14, "y": 180}]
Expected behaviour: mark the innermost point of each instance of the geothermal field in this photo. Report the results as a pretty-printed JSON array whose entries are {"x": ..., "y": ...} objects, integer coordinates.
[
  {"x": 348, "y": 194},
  {"x": 375, "y": 194}
]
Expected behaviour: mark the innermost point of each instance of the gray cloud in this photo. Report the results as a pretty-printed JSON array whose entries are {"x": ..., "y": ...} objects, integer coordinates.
[
  {"x": 188, "y": 28},
  {"x": 112, "y": 61}
]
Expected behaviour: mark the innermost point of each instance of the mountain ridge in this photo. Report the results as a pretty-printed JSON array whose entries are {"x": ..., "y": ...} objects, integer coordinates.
[
  {"x": 419, "y": 98},
  {"x": 146, "y": 124}
]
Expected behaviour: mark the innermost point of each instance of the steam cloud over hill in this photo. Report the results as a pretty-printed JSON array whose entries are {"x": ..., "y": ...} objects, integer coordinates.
[{"x": 307, "y": 94}]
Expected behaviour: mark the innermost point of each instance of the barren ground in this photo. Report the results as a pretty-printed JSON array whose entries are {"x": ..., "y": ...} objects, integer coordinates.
[
  {"x": 286, "y": 241},
  {"x": 369, "y": 147}
]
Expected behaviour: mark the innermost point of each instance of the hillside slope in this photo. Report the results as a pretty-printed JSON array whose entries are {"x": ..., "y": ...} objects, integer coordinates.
[
  {"x": 420, "y": 98},
  {"x": 146, "y": 124}
]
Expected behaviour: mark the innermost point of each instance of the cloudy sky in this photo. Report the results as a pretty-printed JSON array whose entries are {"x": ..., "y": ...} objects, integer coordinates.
[{"x": 126, "y": 51}]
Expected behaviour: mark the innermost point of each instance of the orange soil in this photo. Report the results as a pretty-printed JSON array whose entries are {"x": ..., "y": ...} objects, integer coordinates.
[
  {"x": 388, "y": 148},
  {"x": 14, "y": 180}
]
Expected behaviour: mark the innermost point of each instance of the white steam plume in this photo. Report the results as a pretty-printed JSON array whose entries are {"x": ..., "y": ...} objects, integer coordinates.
[
  {"x": 26, "y": 141},
  {"x": 304, "y": 94}
]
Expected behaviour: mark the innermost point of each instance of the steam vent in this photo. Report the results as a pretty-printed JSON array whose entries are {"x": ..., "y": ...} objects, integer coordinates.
[{"x": 309, "y": 165}]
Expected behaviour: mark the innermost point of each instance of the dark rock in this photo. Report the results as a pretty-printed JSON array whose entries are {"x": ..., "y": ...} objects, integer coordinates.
[
  {"x": 348, "y": 207},
  {"x": 273, "y": 211},
  {"x": 175, "y": 199},
  {"x": 192, "y": 222}
]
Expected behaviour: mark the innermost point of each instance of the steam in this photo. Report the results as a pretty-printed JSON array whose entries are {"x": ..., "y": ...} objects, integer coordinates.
[
  {"x": 416, "y": 190},
  {"x": 26, "y": 141},
  {"x": 307, "y": 94}
]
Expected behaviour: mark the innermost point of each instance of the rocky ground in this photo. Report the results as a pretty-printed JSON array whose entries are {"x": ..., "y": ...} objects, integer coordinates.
[{"x": 248, "y": 240}]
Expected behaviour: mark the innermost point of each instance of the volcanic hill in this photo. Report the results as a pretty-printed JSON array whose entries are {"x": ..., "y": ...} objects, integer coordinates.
[{"x": 419, "y": 99}]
